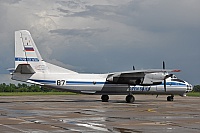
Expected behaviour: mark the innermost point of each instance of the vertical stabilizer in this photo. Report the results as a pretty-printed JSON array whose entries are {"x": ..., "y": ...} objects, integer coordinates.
[
  {"x": 27, "y": 55},
  {"x": 26, "y": 51}
]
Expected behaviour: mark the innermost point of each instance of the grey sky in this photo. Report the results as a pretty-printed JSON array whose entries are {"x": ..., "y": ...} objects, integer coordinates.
[{"x": 99, "y": 36}]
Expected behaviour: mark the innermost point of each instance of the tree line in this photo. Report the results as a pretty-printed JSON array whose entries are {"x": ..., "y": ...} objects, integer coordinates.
[
  {"x": 196, "y": 88},
  {"x": 23, "y": 88},
  {"x": 35, "y": 88}
]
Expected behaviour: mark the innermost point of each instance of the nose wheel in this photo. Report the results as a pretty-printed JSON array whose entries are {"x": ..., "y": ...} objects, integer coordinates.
[{"x": 170, "y": 98}]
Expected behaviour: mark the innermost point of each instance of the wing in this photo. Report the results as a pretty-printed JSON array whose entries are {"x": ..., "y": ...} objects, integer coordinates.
[{"x": 140, "y": 77}]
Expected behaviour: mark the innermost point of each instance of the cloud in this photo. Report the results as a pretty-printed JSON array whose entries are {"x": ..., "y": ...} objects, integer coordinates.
[
  {"x": 77, "y": 32},
  {"x": 10, "y": 1},
  {"x": 107, "y": 35}
]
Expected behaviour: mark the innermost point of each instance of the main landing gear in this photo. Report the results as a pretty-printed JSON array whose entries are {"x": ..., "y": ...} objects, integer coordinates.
[
  {"x": 104, "y": 98},
  {"x": 129, "y": 98},
  {"x": 170, "y": 98}
]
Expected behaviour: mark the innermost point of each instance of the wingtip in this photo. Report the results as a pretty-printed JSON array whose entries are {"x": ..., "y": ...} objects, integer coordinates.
[{"x": 176, "y": 70}]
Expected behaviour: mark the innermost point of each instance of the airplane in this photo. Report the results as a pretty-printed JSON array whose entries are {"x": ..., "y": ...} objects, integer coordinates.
[{"x": 31, "y": 68}]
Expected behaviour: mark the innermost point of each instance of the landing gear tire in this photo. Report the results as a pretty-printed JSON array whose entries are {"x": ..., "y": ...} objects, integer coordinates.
[
  {"x": 130, "y": 98},
  {"x": 170, "y": 98},
  {"x": 104, "y": 98}
]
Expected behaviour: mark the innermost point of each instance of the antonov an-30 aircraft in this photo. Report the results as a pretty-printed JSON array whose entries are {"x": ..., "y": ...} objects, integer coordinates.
[{"x": 31, "y": 68}]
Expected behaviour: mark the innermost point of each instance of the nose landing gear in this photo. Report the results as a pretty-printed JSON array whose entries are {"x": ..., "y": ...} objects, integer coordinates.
[{"x": 170, "y": 98}]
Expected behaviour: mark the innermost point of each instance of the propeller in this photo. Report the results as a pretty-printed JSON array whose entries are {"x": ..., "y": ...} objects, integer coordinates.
[
  {"x": 168, "y": 75},
  {"x": 163, "y": 65},
  {"x": 165, "y": 86}
]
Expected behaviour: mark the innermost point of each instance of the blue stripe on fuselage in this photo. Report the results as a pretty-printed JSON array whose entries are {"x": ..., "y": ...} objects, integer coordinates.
[
  {"x": 173, "y": 83},
  {"x": 67, "y": 82},
  {"x": 84, "y": 82}
]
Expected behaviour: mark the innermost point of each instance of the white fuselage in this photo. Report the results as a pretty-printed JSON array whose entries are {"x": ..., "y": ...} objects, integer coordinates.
[{"x": 97, "y": 84}]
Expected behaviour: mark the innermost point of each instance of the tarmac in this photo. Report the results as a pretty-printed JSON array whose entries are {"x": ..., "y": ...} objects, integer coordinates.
[{"x": 86, "y": 113}]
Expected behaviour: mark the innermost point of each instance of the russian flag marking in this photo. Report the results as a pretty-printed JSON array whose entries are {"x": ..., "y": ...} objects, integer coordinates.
[{"x": 29, "y": 49}]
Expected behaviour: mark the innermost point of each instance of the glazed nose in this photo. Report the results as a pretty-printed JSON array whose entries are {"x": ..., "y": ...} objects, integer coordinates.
[{"x": 189, "y": 88}]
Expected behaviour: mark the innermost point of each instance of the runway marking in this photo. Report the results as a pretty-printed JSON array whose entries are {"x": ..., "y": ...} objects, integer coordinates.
[{"x": 151, "y": 110}]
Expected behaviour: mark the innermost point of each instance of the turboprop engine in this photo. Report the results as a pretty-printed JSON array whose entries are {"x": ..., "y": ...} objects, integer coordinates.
[{"x": 154, "y": 78}]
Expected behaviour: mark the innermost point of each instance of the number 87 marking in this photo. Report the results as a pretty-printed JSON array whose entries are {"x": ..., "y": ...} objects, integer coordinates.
[{"x": 60, "y": 82}]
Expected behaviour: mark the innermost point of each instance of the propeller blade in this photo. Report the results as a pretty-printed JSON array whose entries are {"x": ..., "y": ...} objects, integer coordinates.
[
  {"x": 163, "y": 65},
  {"x": 165, "y": 86}
]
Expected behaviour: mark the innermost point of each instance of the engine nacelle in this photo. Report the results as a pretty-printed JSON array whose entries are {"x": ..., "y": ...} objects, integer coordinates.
[{"x": 153, "y": 78}]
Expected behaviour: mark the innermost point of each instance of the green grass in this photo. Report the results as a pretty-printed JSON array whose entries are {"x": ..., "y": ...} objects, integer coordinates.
[
  {"x": 194, "y": 94},
  {"x": 34, "y": 93}
]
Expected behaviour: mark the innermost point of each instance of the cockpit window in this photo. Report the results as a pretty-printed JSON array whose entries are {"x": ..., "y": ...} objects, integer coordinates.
[
  {"x": 174, "y": 77},
  {"x": 179, "y": 80}
]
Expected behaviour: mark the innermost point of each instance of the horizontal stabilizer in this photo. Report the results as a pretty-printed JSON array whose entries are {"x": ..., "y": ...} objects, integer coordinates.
[{"x": 11, "y": 70}]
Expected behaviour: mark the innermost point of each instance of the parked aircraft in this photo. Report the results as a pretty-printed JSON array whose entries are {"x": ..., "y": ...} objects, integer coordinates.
[{"x": 31, "y": 68}]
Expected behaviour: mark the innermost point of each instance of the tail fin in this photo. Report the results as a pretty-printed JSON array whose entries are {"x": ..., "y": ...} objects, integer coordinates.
[
  {"x": 25, "y": 50},
  {"x": 28, "y": 56}
]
